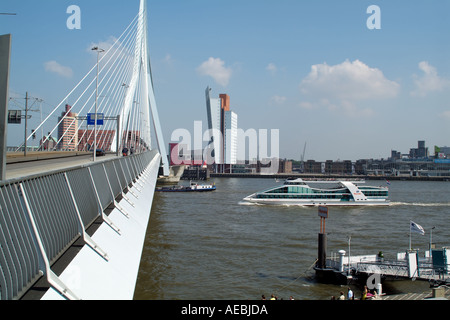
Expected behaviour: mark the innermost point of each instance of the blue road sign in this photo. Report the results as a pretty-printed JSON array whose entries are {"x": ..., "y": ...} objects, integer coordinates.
[{"x": 91, "y": 119}]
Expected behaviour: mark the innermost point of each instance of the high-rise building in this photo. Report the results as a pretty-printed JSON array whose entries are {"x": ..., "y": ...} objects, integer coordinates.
[
  {"x": 68, "y": 130},
  {"x": 230, "y": 137},
  {"x": 420, "y": 152},
  {"x": 222, "y": 123},
  {"x": 214, "y": 114}
]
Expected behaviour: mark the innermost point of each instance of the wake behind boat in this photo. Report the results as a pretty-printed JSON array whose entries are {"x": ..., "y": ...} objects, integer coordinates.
[
  {"x": 323, "y": 192},
  {"x": 193, "y": 187}
]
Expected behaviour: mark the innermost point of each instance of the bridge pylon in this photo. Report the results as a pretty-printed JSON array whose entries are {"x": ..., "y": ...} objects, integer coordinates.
[{"x": 142, "y": 73}]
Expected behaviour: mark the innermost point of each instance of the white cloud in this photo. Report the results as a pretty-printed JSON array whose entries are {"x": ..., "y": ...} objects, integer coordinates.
[
  {"x": 55, "y": 67},
  {"x": 429, "y": 81},
  {"x": 104, "y": 45},
  {"x": 272, "y": 68},
  {"x": 306, "y": 105},
  {"x": 446, "y": 114},
  {"x": 344, "y": 86},
  {"x": 215, "y": 68},
  {"x": 277, "y": 100},
  {"x": 168, "y": 59}
]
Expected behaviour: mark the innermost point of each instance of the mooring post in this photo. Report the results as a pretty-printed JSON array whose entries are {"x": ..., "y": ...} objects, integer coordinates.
[{"x": 322, "y": 241}]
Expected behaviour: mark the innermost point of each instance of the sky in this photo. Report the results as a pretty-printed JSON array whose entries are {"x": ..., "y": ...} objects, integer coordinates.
[{"x": 347, "y": 82}]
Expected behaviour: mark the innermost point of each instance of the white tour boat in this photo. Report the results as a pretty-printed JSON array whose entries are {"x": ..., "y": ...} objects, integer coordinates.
[{"x": 323, "y": 192}]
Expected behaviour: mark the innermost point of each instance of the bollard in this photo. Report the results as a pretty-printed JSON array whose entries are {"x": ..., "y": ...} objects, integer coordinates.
[
  {"x": 341, "y": 260},
  {"x": 438, "y": 292},
  {"x": 379, "y": 288},
  {"x": 322, "y": 252}
]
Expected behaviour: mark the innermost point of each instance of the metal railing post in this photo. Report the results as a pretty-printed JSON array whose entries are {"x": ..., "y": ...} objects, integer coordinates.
[{"x": 51, "y": 277}]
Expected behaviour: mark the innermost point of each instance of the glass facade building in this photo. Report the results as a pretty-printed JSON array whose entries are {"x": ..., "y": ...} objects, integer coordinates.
[{"x": 222, "y": 125}]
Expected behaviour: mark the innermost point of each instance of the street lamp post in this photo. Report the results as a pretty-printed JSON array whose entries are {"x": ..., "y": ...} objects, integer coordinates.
[
  {"x": 96, "y": 101},
  {"x": 349, "y": 240},
  {"x": 431, "y": 240}
]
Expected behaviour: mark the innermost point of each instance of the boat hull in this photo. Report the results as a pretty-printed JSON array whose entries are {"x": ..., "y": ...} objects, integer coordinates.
[
  {"x": 305, "y": 202},
  {"x": 187, "y": 189}
]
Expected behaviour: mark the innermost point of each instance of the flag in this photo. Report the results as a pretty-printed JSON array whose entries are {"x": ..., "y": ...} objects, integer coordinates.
[
  {"x": 414, "y": 227},
  {"x": 388, "y": 182}
]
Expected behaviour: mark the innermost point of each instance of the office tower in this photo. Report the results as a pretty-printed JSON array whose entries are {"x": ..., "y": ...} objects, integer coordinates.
[
  {"x": 222, "y": 123},
  {"x": 214, "y": 114},
  {"x": 230, "y": 137},
  {"x": 68, "y": 130},
  {"x": 420, "y": 152}
]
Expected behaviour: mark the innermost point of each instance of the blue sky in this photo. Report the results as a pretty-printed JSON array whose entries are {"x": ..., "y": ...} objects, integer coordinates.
[{"x": 311, "y": 69}]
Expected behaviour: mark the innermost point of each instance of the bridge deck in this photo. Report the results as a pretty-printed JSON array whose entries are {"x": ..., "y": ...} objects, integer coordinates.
[
  {"x": 14, "y": 157},
  {"x": 40, "y": 162}
]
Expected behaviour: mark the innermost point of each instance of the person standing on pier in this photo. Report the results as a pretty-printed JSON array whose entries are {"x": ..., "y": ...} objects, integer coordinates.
[{"x": 350, "y": 295}]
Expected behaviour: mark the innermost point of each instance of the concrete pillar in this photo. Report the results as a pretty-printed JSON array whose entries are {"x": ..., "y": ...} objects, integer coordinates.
[
  {"x": 379, "y": 288},
  {"x": 341, "y": 260},
  {"x": 5, "y": 53}
]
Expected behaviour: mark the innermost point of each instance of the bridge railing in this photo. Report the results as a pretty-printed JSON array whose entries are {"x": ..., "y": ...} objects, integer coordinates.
[{"x": 43, "y": 215}]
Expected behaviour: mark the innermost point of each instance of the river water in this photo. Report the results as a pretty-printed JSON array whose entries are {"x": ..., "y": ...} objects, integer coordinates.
[{"x": 212, "y": 246}]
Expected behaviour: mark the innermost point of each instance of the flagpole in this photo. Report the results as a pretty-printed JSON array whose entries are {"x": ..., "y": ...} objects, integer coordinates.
[{"x": 410, "y": 235}]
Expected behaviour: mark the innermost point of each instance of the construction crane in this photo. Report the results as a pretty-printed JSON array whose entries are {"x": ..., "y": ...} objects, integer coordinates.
[{"x": 302, "y": 160}]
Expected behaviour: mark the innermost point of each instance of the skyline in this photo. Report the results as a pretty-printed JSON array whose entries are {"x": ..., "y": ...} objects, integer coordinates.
[{"x": 313, "y": 70}]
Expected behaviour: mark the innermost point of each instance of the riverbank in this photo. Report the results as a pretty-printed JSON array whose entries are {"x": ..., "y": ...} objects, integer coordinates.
[{"x": 327, "y": 176}]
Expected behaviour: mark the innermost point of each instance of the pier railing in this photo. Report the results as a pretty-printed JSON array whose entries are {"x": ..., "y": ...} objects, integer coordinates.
[
  {"x": 43, "y": 215},
  {"x": 391, "y": 268},
  {"x": 370, "y": 264}
]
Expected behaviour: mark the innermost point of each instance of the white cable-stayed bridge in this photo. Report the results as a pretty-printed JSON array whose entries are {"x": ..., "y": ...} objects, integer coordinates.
[
  {"x": 118, "y": 86},
  {"x": 99, "y": 204}
]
